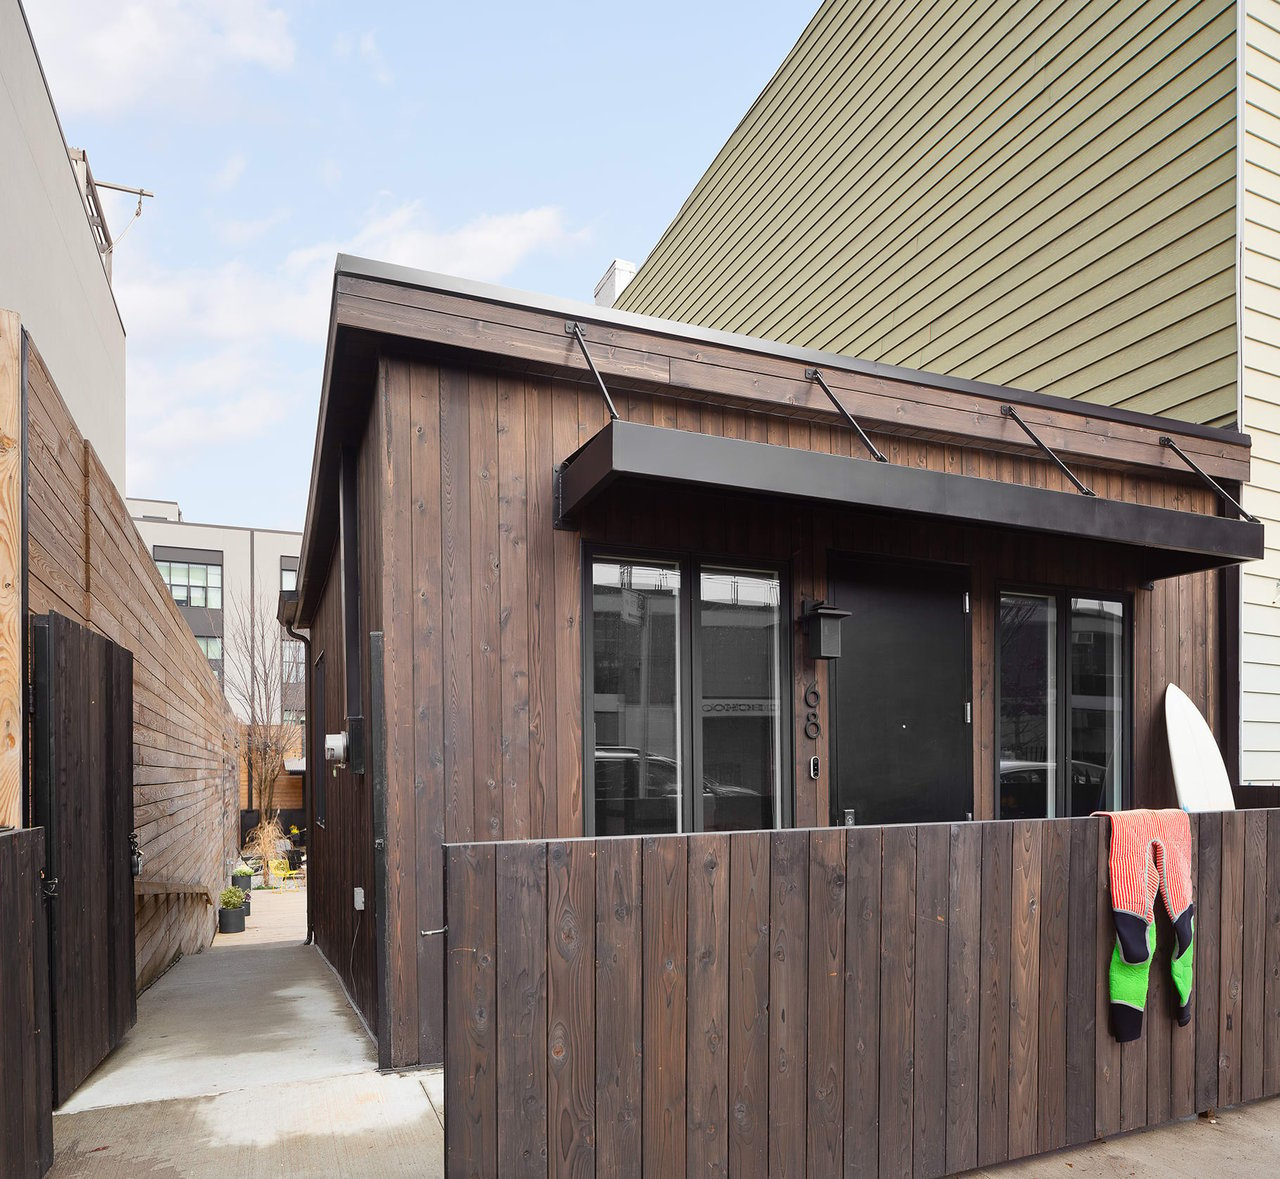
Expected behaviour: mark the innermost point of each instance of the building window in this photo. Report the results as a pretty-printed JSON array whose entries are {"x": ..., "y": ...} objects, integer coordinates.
[
  {"x": 288, "y": 579},
  {"x": 685, "y": 686},
  {"x": 211, "y": 646},
  {"x": 293, "y": 716},
  {"x": 1063, "y": 704},
  {"x": 193, "y": 584},
  {"x": 294, "y": 657}
]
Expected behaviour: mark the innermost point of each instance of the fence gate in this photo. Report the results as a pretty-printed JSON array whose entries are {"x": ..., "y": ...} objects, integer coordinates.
[{"x": 82, "y": 775}]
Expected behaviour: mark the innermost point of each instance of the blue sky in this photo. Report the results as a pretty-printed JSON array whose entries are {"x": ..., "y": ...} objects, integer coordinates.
[{"x": 516, "y": 143}]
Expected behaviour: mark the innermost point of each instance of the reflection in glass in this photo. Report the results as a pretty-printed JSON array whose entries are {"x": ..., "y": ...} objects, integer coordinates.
[
  {"x": 1028, "y": 706},
  {"x": 738, "y": 707},
  {"x": 1097, "y": 704},
  {"x": 635, "y": 638}
]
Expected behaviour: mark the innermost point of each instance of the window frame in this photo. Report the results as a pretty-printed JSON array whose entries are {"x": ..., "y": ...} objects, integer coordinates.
[
  {"x": 690, "y": 563},
  {"x": 1062, "y": 596},
  {"x": 317, "y": 767}
]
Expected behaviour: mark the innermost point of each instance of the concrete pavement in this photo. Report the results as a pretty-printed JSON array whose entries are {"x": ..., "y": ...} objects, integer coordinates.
[{"x": 247, "y": 1059}]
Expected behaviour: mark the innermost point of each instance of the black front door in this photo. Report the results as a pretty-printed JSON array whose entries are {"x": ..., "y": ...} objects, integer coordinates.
[{"x": 901, "y": 738}]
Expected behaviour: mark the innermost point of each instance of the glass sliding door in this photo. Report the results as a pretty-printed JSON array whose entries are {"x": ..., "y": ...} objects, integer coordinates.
[
  {"x": 1028, "y": 724},
  {"x": 1097, "y": 704},
  {"x": 687, "y": 691},
  {"x": 1063, "y": 693},
  {"x": 636, "y": 637},
  {"x": 739, "y": 691}
]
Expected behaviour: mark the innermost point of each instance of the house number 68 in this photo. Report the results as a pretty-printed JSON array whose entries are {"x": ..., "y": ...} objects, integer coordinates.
[{"x": 812, "y": 725}]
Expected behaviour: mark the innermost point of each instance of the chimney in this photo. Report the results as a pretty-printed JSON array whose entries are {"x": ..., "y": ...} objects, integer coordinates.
[{"x": 615, "y": 280}]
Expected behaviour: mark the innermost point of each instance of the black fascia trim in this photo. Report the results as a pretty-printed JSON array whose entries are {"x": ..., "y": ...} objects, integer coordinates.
[{"x": 1178, "y": 542}]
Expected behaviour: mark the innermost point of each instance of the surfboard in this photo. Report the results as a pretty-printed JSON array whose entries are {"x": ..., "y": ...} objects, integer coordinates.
[{"x": 1199, "y": 774}]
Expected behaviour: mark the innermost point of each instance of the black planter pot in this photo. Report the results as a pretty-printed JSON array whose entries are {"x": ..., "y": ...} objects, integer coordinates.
[
  {"x": 241, "y": 882},
  {"x": 246, "y": 907},
  {"x": 231, "y": 920}
]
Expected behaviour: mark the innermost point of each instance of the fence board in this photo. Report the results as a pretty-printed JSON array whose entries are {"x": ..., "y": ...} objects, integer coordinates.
[
  {"x": 619, "y": 1007},
  {"x": 471, "y": 1093},
  {"x": 749, "y": 1004},
  {"x": 708, "y": 1062},
  {"x": 865, "y": 1001},
  {"x": 664, "y": 920}
]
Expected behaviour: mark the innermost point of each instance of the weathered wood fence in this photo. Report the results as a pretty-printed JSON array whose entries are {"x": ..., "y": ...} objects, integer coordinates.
[
  {"x": 26, "y": 1090},
  {"x": 865, "y": 1001}
]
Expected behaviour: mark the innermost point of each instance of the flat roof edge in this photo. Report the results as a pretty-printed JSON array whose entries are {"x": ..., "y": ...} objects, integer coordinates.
[{"x": 352, "y": 266}]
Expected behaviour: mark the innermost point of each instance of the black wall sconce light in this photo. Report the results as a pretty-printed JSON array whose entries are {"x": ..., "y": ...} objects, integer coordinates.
[{"x": 821, "y": 623}]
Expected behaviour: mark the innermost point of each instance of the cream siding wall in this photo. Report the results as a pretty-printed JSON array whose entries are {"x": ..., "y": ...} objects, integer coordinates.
[
  {"x": 1041, "y": 195},
  {"x": 1260, "y": 273}
]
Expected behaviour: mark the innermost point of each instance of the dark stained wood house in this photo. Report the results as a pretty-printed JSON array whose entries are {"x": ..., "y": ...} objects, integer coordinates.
[{"x": 533, "y": 620}]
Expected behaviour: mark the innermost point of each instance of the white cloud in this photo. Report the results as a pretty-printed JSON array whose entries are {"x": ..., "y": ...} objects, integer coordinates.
[
  {"x": 229, "y": 174},
  {"x": 346, "y": 45},
  {"x": 225, "y": 353},
  {"x": 242, "y": 233},
  {"x": 108, "y": 58}
]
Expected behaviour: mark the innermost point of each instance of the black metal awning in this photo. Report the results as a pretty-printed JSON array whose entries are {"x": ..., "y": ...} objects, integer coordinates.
[{"x": 1169, "y": 542}]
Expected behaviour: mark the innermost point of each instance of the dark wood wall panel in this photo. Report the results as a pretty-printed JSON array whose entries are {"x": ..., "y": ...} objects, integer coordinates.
[
  {"x": 483, "y": 604},
  {"x": 866, "y": 1001},
  {"x": 340, "y": 851},
  {"x": 26, "y": 1083}
]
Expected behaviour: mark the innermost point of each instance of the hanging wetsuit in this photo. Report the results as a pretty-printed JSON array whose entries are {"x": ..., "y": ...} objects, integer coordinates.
[{"x": 1150, "y": 852}]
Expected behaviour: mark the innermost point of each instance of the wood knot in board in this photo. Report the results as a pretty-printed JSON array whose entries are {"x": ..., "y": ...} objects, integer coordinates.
[{"x": 7, "y": 443}]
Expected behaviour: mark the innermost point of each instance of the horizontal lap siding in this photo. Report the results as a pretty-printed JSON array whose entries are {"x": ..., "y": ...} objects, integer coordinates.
[
  {"x": 1260, "y": 261},
  {"x": 88, "y": 563},
  {"x": 487, "y": 623},
  {"x": 1067, "y": 176},
  {"x": 975, "y": 1031}
]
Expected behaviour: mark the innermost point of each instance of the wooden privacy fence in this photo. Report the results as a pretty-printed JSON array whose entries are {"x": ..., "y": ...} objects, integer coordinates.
[
  {"x": 26, "y": 1090},
  {"x": 861, "y": 1001}
]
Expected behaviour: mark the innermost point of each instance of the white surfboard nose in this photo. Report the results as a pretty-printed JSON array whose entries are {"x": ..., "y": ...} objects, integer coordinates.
[{"x": 1199, "y": 773}]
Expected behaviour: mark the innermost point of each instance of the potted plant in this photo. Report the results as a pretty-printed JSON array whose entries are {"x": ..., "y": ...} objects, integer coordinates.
[
  {"x": 241, "y": 874},
  {"x": 246, "y": 908},
  {"x": 295, "y": 836},
  {"x": 231, "y": 910}
]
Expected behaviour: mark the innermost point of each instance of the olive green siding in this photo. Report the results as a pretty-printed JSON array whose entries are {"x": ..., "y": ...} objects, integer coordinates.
[
  {"x": 1260, "y": 297},
  {"x": 1036, "y": 194}
]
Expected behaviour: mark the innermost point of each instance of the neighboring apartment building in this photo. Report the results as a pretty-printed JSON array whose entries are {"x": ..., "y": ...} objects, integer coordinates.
[
  {"x": 219, "y": 574},
  {"x": 54, "y": 264},
  {"x": 1081, "y": 200}
]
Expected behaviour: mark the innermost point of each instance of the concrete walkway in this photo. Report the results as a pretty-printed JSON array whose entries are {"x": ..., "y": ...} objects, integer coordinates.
[{"x": 247, "y": 1059}]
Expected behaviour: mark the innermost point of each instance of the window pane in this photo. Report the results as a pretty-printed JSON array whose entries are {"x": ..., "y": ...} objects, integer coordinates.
[
  {"x": 1097, "y": 705},
  {"x": 1028, "y": 706},
  {"x": 288, "y": 579},
  {"x": 196, "y": 574},
  {"x": 215, "y": 574},
  {"x": 179, "y": 593},
  {"x": 215, "y": 598},
  {"x": 163, "y": 566},
  {"x": 196, "y": 596},
  {"x": 215, "y": 648},
  {"x": 179, "y": 572},
  {"x": 635, "y": 689},
  {"x": 739, "y": 641}
]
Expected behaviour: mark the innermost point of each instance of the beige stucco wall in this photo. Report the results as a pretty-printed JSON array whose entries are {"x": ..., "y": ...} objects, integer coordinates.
[
  {"x": 1034, "y": 194},
  {"x": 50, "y": 270}
]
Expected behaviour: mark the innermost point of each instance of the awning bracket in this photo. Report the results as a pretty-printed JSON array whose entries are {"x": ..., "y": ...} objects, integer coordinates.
[
  {"x": 813, "y": 374},
  {"x": 574, "y": 329},
  {"x": 1009, "y": 412},
  {"x": 1207, "y": 479}
]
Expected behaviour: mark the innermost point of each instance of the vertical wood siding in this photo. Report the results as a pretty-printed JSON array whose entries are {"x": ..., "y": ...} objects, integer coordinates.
[
  {"x": 1260, "y": 312},
  {"x": 482, "y": 600},
  {"x": 88, "y": 563},
  {"x": 933, "y": 997},
  {"x": 1033, "y": 194}
]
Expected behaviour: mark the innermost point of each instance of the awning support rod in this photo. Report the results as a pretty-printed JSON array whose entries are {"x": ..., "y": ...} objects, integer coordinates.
[
  {"x": 1010, "y": 412},
  {"x": 1206, "y": 478},
  {"x": 812, "y": 374},
  {"x": 574, "y": 329}
]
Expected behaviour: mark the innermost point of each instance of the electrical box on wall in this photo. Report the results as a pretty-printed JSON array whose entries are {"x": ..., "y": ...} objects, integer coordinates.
[{"x": 359, "y": 899}]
